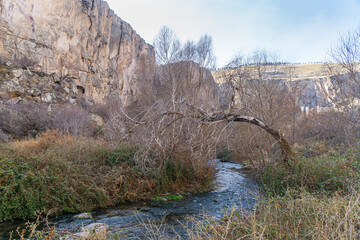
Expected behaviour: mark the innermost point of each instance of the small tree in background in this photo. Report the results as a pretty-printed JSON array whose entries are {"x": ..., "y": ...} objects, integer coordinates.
[
  {"x": 169, "y": 49},
  {"x": 346, "y": 85}
]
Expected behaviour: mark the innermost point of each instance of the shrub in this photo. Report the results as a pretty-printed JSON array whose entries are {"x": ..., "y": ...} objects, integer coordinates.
[
  {"x": 71, "y": 119},
  {"x": 39, "y": 175},
  {"x": 333, "y": 127},
  {"x": 3, "y": 137},
  {"x": 225, "y": 155},
  {"x": 19, "y": 118}
]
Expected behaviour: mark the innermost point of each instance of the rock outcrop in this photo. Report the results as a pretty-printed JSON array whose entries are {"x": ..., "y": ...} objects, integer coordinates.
[
  {"x": 314, "y": 84},
  {"x": 78, "y": 41},
  {"x": 21, "y": 83}
]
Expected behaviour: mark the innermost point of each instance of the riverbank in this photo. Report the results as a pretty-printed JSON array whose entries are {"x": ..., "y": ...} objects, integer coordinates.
[
  {"x": 150, "y": 219},
  {"x": 64, "y": 174},
  {"x": 318, "y": 198}
]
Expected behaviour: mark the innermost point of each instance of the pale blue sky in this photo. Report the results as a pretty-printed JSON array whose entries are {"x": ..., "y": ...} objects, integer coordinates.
[{"x": 296, "y": 30}]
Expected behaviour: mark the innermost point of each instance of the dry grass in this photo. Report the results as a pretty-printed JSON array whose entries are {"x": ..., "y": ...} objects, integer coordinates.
[
  {"x": 306, "y": 217},
  {"x": 318, "y": 199},
  {"x": 81, "y": 174}
]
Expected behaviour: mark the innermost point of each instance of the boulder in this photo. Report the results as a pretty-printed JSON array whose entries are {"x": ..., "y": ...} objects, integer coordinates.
[
  {"x": 83, "y": 216},
  {"x": 97, "y": 120}
]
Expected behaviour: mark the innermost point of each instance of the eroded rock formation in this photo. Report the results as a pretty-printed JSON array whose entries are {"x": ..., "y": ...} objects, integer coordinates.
[
  {"x": 314, "y": 85},
  {"x": 82, "y": 40}
]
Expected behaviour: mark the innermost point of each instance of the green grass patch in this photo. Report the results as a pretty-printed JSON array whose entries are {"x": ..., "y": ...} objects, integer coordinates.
[
  {"x": 158, "y": 199},
  {"x": 168, "y": 197},
  {"x": 171, "y": 197}
]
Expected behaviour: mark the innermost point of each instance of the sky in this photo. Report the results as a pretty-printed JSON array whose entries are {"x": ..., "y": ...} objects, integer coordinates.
[{"x": 298, "y": 31}]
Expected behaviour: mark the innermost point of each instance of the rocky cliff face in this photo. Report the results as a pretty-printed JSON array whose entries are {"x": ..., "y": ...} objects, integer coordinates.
[
  {"x": 81, "y": 40},
  {"x": 314, "y": 85}
]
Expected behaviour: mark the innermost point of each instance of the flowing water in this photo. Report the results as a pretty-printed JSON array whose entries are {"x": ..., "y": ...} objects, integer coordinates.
[{"x": 233, "y": 190}]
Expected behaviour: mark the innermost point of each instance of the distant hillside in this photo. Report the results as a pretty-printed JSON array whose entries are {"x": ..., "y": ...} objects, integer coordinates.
[
  {"x": 288, "y": 72},
  {"x": 316, "y": 82}
]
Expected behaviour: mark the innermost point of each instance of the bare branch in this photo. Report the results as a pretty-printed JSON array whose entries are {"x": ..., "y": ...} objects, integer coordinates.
[{"x": 229, "y": 117}]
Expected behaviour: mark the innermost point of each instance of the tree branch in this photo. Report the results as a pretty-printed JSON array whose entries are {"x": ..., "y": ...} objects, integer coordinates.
[{"x": 286, "y": 150}]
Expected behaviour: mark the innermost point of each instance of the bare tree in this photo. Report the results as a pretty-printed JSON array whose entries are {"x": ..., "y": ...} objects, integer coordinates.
[
  {"x": 188, "y": 52},
  {"x": 205, "y": 55},
  {"x": 167, "y": 46},
  {"x": 73, "y": 120},
  {"x": 169, "y": 49},
  {"x": 295, "y": 93},
  {"x": 346, "y": 82},
  {"x": 183, "y": 68},
  {"x": 257, "y": 94},
  {"x": 256, "y": 89},
  {"x": 347, "y": 56}
]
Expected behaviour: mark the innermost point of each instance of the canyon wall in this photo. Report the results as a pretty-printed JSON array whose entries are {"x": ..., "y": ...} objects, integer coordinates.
[
  {"x": 79, "y": 40},
  {"x": 314, "y": 85}
]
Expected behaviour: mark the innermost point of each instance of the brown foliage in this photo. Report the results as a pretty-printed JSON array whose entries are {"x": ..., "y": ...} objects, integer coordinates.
[
  {"x": 332, "y": 127},
  {"x": 18, "y": 118},
  {"x": 71, "y": 119}
]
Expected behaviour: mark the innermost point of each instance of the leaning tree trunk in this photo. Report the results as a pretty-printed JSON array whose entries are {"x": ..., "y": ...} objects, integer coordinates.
[{"x": 286, "y": 150}]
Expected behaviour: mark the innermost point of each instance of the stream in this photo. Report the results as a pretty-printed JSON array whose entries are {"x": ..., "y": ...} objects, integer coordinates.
[{"x": 233, "y": 190}]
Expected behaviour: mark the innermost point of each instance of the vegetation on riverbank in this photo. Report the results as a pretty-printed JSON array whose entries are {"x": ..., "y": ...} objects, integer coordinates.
[
  {"x": 66, "y": 174},
  {"x": 305, "y": 216},
  {"x": 316, "y": 199}
]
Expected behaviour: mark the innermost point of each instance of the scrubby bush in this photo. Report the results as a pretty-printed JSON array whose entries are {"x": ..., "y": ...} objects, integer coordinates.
[
  {"x": 225, "y": 154},
  {"x": 74, "y": 120},
  {"x": 108, "y": 109},
  {"x": 332, "y": 127},
  {"x": 19, "y": 118},
  {"x": 3, "y": 137}
]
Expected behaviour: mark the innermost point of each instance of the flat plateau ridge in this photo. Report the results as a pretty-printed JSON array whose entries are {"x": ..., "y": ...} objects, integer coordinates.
[{"x": 289, "y": 72}]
